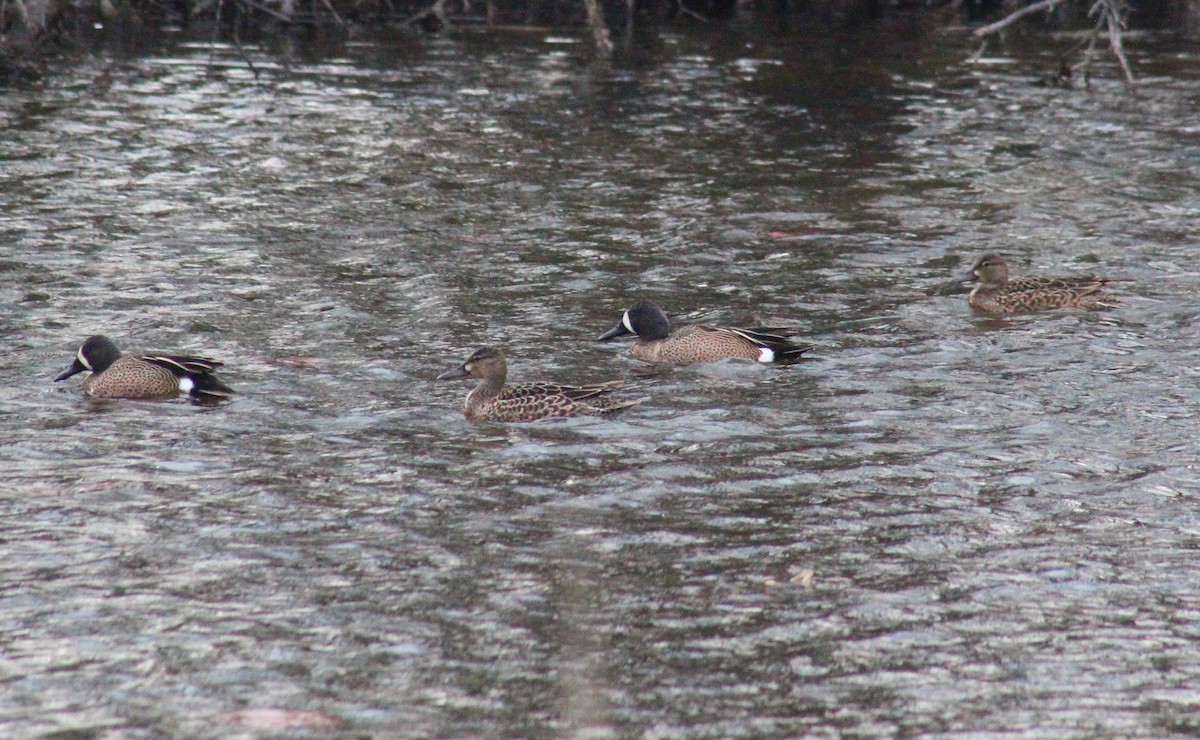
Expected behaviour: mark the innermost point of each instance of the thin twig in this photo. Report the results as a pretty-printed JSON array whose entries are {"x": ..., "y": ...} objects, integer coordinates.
[
  {"x": 329, "y": 6},
  {"x": 1109, "y": 15},
  {"x": 237, "y": 41},
  {"x": 685, "y": 10},
  {"x": 282, "y": 17},
  {"x": 212, "y": 44},
  {"x": 432, "y": 10},
  {"x": 1114, "y": 41},
  {"x": 979, "y": 53},
  {"x": 1088, "y": 56},
  {"x": 1017, "y": 15}
]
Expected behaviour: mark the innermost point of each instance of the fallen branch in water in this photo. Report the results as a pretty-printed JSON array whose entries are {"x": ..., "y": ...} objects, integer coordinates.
[
  {"x": 336, "y": 18},
  {"x": 237, "y": 40},
  {"x": 258, "y": 7},
  {"x": 1112, "y": 13},
  {"x": 1109, "y": 17},
  {"x": 432, "y": 18},
  {"x": 1017, "y": 15}
]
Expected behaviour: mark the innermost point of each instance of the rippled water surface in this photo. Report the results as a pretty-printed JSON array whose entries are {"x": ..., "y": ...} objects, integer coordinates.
[{"x": 939, "y": 524}]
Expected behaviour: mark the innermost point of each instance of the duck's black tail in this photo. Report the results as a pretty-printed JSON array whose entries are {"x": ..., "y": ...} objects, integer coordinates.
[
  {"x": 207, "y": 386},
  {"x": 198, "y": 370},
  {"x": 776, "y": 339}
]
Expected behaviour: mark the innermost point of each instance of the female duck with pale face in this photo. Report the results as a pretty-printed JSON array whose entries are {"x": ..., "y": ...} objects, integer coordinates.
[
  {"x": 999, "y": 295},
  {"x": 492, "y": 400}
]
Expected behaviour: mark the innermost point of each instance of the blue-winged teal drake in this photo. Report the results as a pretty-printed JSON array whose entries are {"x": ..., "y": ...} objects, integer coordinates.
[
  {"x": 492, "y": 401},
  {"x": 999, "y": 295},
  {"x": 698, "y": 343},
  {"x": 143, "y": 376}
]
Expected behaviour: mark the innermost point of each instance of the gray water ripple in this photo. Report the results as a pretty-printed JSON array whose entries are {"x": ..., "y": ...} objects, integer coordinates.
[{"x": 941, "y": 524}]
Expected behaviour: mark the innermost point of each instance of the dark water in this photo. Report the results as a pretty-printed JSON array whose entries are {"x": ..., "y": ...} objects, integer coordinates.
[{"x": 940, "y": 525}]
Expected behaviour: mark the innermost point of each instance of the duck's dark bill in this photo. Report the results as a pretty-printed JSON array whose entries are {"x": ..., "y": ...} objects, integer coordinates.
[
  {"x": 75, "y": 368},
  {"x": 617, "y": 331},
  {"x": 458, "y": 372}
]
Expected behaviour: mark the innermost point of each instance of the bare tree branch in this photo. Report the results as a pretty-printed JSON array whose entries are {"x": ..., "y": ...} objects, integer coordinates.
[
  {"x": 1088, "y": 55},
  {"x": 237, "y": 40},
  {"x": 1112, "y": 14},
  {"x": 1017, "y": 15},
  {"x": 1114, "y": 40},
  {"x": 283, "y": 17},
  {"x": 337, "y": 18},
  {"x": 1109, "y": 16},
  {"x": 434, "y": 13}
]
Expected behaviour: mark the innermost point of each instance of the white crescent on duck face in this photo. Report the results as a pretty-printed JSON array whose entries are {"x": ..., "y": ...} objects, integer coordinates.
[
  {"x": 698, "y": 343},
  {"x": 143, "y": 376}
]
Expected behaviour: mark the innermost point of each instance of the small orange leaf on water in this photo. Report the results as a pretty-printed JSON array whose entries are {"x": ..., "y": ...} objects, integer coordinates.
[
  {"x": 792, "y": 234},
  {"x": 275, "y": 719},
  {"x": 302, "y": 361}
]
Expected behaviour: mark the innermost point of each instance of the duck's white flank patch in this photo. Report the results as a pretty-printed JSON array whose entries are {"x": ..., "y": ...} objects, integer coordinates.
[
  {"x": 766, "y": 354},
  {"x": 626, "y": 324},
  {"x": 186, "y": 385}
]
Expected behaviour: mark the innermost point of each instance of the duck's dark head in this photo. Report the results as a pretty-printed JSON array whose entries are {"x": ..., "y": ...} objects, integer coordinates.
[
  {"x": 95, "y": 355},
  {"x": 644, "y": 320}
]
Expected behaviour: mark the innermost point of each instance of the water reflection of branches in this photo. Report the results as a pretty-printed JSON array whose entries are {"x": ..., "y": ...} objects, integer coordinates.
[{"x": 1110, "y": 17}]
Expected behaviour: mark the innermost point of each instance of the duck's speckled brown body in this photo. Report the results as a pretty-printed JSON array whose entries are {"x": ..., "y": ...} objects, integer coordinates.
[
  {"x": 999, "y": 295},
  {"x": 491, "y": 400},
  {"x": 143, "y": 376},
  {"x": 699, "y": 343}
]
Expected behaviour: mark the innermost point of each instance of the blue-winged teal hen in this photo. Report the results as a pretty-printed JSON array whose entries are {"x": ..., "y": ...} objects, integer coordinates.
[
  {"x": 491, "y": 400},
  {"x": 698, "y": 343},
  {"x": 143, "y": 376},
  {"x": 999, "y": 295}
]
